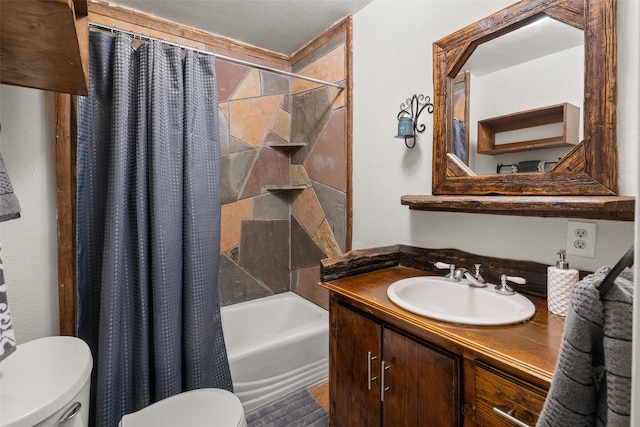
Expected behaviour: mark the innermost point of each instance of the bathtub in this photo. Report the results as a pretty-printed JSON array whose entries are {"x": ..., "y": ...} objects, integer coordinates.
[{"x": 275, "y": 345}]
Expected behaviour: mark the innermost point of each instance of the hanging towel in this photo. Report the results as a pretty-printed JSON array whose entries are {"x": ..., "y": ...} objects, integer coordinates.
[
  {"x": 459, "y": 140},
  {"x": 7, "y": 337},
  {"x": 591, "y": 383},
  {"x": 9, "y": 206}
]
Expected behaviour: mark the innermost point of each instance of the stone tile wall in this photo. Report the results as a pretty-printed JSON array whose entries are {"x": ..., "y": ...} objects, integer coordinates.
[{"x": 273, "y": 242}]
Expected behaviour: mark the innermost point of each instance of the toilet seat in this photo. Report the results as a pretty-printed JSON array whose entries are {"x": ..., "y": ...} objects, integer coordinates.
[{"x": 197, "y": 408}]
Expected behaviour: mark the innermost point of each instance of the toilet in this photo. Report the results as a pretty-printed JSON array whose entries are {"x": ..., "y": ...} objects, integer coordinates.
[
  {"x": 205, "y": 407},
  {"x": 45, "y": 383}
]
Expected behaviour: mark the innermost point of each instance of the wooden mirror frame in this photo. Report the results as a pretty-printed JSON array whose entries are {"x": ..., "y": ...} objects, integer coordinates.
[{"x": 591, "y": 167}]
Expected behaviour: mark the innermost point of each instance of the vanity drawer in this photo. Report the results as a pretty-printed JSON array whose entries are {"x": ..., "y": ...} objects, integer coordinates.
[{"x": 498, "y": 391}]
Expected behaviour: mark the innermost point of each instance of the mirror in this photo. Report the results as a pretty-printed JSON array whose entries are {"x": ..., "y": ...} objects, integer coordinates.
[
  {"x": 511, "y": 117},
  {"x": 528, "y": 69}
]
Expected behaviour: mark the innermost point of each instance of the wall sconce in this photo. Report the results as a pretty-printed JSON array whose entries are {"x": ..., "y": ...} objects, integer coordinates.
[{"x": 408, "y": 118}]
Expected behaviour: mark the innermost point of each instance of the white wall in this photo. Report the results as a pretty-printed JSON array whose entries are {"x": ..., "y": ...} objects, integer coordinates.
[
  {"x": 29, "y": 245},
  {"x": 392, "y": 60},
  {"x": 548, "y": 80},
  {"x": 392, "y": 50}
]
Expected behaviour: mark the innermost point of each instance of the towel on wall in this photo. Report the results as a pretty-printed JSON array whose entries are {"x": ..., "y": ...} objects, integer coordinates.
[
  {"x": 9, "y": 206},
  {"x": 7, "y": 337},
  {"x": 591, "y": 383}
]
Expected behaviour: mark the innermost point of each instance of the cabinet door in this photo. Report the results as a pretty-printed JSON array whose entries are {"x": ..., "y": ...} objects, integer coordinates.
[
  {"x": 421, "y": 384},
  {"x": 354, "y": 368}
]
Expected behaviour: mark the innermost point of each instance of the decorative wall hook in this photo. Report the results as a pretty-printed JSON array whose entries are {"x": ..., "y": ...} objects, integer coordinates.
[{"x": 408, "y": 118}]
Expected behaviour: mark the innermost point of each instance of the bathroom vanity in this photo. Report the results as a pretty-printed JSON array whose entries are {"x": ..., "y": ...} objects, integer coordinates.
[{"x": 389, "y": 366}]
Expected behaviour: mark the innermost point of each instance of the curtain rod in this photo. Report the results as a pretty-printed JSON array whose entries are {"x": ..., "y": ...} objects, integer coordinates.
[{"x": 215, "y": 55}]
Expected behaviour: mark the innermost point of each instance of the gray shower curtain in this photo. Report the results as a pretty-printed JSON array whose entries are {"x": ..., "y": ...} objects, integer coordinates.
[{"x": 148, "y": 225}]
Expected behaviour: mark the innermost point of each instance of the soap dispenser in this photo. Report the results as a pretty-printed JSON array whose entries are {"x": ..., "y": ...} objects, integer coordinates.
[{"x": 560, "y": 281}]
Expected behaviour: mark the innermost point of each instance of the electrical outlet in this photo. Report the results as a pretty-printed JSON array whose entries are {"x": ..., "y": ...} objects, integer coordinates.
[
  {"x": 581, "y": 238},
  {"x": 581, "y": 233},
  {"x": 580, "y": 244}
]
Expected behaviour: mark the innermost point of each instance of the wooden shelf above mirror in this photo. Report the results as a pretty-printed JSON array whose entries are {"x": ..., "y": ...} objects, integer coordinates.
[{"x": 614, "y": 208}]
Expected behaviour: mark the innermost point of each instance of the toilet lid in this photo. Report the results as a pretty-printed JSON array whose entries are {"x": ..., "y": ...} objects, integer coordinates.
[
  {"x": 197, "y": 408},
  {"x": 40, "y": 377}
]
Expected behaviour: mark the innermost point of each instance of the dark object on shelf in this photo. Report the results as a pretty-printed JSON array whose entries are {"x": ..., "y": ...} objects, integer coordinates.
[{"x": 525, "y": 166}]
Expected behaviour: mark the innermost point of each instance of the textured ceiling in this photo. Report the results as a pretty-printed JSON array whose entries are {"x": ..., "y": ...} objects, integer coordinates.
[{"x": 282, "y": 26}]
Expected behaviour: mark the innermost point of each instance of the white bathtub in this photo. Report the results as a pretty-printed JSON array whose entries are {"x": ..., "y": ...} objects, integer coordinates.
[{"x": 275, "y": 345}]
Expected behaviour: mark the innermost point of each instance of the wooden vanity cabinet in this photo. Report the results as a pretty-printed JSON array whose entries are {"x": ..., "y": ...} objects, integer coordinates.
[
  {"x": 380, "y": 376},
  {"x": 501, "y": 398},
  {"x": 440, "y": 373},
  {"x": 354, "y": 349}
]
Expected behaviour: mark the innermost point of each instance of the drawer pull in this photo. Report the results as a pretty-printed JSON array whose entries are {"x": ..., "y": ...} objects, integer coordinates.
[
  {"x": 383, "y": 388},
  {"x": 370, "y": 379},
  {"x": 508, "y": 416}
]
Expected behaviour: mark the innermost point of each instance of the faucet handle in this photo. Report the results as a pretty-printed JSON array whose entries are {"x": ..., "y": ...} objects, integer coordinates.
[
  {"x": 515, "y": 279},
  {"x": 452, "y": 270},
  {"x": 504, "y": 289},
  {"x": 442, "y": 265}
]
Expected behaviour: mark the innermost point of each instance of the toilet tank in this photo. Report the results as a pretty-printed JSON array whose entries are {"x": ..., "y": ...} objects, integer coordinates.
[{"x": 46, "y": 383}]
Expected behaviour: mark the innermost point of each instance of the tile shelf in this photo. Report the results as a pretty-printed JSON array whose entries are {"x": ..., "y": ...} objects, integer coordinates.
[
  {"x": 288, "y": 187},
  {"x": 286, "y": 146},
  {"x": 273, "y": 188}
]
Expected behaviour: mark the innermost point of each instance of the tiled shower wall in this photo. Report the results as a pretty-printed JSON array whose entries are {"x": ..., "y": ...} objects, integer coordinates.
[{"x": 273, "y": 241}]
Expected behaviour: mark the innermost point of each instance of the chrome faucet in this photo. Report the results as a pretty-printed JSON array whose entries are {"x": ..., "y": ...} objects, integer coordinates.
[
  {"x": 452, "y": 271},
  {"x": 474, "y": 280},
  {"x": 504, "y": 289},
  {"x": 477, "y": 274},
  {"x": 456, "y": 274}
]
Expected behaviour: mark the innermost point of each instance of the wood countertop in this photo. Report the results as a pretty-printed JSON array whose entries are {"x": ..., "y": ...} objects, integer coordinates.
[{"x": 528, "y": 350}]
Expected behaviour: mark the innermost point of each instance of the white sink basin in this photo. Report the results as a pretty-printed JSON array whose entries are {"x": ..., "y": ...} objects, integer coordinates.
[{"x": 458, "y": 302}]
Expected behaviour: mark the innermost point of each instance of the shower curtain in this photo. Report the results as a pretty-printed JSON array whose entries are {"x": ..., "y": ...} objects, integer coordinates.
[{"x": 148, "y": 225}]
